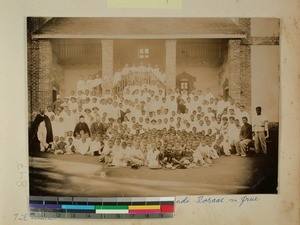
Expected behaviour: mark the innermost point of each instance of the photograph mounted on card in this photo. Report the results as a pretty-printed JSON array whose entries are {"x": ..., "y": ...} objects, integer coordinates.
[{"x": 133, "y": 107}]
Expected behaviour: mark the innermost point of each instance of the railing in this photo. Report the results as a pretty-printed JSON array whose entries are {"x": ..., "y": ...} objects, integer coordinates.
[{"x": 137, "y": 78}]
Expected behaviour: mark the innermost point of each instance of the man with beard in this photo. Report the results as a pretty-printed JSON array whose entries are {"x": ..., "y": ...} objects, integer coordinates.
[{"x": 44, "y": 130}]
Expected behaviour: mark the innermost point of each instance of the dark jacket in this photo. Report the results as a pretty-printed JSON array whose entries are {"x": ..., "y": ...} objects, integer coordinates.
[
  {"x": 246, "y": 132},
  {"x": 82, "y": 126}
]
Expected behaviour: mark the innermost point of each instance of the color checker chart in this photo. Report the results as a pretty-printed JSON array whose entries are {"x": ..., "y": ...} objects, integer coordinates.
[{"x": 101, "y": 208}]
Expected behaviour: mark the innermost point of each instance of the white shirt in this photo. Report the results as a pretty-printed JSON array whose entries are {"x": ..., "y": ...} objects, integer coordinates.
[
  {"x": 83, "y": 147},
  {"x": 81, "y": 86},
  {"x": 89, "y": 84},
  {"x": 259, "y": 123},
  {"x": 42, "y": 133},
  {"x": 152, "y": 156},
  {"x": 95, "y": 146}
]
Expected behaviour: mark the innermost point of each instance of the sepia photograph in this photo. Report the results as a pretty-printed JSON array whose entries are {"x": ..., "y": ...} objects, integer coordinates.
[{"x": 152, "y": 106}]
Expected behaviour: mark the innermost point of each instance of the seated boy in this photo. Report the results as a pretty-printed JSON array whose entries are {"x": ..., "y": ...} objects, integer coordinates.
[
  {"x": 108, "y": 152},
  {"x": 54, "y": 145},
  {"x": 153, "y": 156},
  {"x": 168, "y": 156},
  {"x": 83, "y": 146},
  {"x": 179, "y": 160},
  {"x": 212, "y": 151},
  {"x": 70, "y": 147},
  {"x": 95, "y": 145},
  {"x": 60, "y": 146},
  {"x": 197, "y": 156},
  {"x": 136, "y": 158},
  {"x": 205, "y": 153},
  {"x": 120, "y": 157}
]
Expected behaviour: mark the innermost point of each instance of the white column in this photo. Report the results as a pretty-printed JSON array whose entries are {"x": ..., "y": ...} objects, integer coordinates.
[
  {"x": 171, "y": 64},
  {"x": 107, "y": 64}
]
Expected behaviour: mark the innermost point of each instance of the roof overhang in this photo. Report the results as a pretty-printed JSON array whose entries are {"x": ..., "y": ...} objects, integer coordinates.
[
  {"x": 85, "y": 36},
  {"x": 139, "y": 28}
]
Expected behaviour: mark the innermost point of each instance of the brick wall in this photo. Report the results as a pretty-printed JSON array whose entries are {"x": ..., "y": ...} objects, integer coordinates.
[
  {"x": 45, "y": 78},
  {"x": 42, "y": 69},
  {"x": 33, "y": 24},
  {"x": 237, "y": 69},
  {"x": 32, "y": 76},
  {"x": 245, "y": 55},
  {"x": 234, "y": 67}
]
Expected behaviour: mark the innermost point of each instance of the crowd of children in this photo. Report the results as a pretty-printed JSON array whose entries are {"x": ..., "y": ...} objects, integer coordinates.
[
  {"x": 147, "y": 126},
  {"x": 139, "y": 73}
]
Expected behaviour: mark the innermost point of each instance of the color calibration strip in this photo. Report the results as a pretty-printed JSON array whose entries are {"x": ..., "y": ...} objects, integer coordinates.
[{"x": 101, "y": 208}]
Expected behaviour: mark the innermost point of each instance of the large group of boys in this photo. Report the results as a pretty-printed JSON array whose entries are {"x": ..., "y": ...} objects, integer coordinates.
[
  {"x": 146, "y": 126},
  {"x": 138, "y": 73}
]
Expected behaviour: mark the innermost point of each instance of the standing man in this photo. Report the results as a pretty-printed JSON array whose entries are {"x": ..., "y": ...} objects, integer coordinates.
[
  {"x": 97, "y": 83},
  {"x": 42, "y": 131},
  {"x": 181, "y": 108},
  {"x": 57, "y": 103},
  {"x": 81, "y": 84},
  {"x": 261, "y": 131},
  {"x": 245, "y": 137}
]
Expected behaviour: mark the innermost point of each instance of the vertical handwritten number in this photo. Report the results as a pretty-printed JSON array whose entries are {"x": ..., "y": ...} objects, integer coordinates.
[
  {"x": 16, "y": 216},
  {"x": 20, "y": 165},
  {"x": 25, "y": 217},
  {"x": 21, "y": 183}
]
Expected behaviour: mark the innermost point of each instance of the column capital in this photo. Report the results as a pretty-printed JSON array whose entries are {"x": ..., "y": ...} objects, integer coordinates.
[{"x": 107, "y": 41}]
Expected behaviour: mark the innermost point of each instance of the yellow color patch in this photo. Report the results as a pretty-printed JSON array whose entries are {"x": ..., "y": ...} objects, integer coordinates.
[{"x": 143, "y": 207}]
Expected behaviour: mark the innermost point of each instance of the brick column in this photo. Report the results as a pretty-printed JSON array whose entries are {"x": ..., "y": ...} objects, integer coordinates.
[
  {"x": 33, "y": 75},
  {"x": 45, "y": 79},
  {"x": 246, "y": 76},
  {"x": 107, "y": 64},
  {"x": 171, "y": 64},
  {"x": 234, "y": 62}
]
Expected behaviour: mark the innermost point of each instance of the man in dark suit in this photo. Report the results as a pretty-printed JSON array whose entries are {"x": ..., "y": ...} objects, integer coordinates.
[
  {"x": 97, "y": 127},
  {"x": 81, "y": 126},
  {"x": 181, "y": 108},
  {"x": 245, "y": 137}
]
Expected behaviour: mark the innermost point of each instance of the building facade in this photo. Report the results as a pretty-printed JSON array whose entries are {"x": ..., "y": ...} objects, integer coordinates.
[{"x": 225, "y": 55}]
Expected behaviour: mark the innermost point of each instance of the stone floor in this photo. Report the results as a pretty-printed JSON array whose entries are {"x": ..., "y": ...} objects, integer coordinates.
[{"x": 77, "y": 175}]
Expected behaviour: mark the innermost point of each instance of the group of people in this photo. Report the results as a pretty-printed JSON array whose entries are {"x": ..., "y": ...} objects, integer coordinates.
[
  {"x": 144, "y": 126},
  {"x": 138, "y": 73}
]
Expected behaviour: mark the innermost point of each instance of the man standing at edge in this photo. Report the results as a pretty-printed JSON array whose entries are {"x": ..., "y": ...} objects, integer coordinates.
[
  {"x": 41, "y": 117},
  {"x": 261, "y": 131}
]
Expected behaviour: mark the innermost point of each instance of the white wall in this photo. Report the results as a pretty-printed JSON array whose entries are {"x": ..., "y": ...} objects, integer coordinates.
[
  {"x": 265, "y": 80},
  {"x": 205, "y": 77},
  {"x": 72, "y": 74},
  {"x": 264, "y": 27}
]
